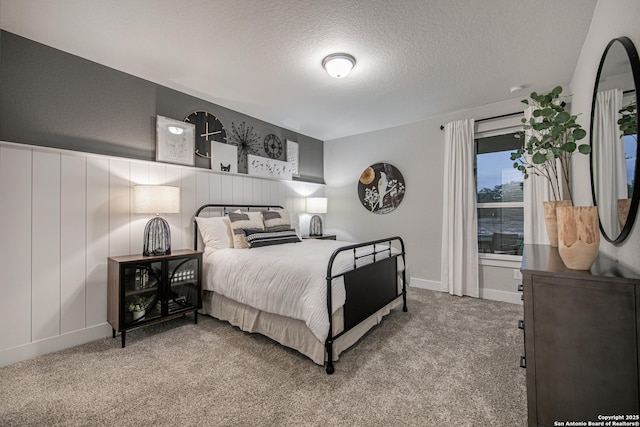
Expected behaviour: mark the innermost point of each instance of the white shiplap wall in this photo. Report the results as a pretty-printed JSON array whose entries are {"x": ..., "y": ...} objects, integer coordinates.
[{"x": 63, "y": 213}]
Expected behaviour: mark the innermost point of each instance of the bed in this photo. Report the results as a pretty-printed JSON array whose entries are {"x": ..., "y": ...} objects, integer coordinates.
[{"x": 318, "y": 297}]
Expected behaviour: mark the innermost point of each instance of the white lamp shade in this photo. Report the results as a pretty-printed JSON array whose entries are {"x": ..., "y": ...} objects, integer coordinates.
[
  {"x": 156, "y": 199},
  {"x": 317, "y": 205},
  {"x": 338, "y": 65}
]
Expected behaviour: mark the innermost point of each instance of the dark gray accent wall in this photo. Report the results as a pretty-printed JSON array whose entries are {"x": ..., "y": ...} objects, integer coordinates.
[
  {"x": 55, "y": 99},
  {"x": 174, "y": 104}
]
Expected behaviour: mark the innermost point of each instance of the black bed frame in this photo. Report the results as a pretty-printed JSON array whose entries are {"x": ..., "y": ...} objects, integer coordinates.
[{"x": 368, "y": 287}]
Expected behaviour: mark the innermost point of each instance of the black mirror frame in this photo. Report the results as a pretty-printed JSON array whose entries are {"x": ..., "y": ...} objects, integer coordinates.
[{"x": 632, "y": 53}]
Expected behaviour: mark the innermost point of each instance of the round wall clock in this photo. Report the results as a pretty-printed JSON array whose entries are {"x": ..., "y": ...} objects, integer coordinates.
[
  {"x": 208, "y": 128},
  {"x": 273, "y": 146},
  {"x": 381, "y": 188}
]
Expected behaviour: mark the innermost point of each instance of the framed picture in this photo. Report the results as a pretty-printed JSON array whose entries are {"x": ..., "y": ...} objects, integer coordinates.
[
  {"x": 224, "y": 157},
  {"x": 175, "y": 141},
  {"x": 293, "y": 157},
  {"x": 266, "y": 167}
]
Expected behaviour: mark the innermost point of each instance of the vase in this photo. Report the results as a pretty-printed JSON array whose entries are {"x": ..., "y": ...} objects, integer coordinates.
[
  {"x": 550, "y": 219},
  {"x": 578, "y": 236},
  {"x": 623, "y": 211},
  {"x": 138, "y": 314}
]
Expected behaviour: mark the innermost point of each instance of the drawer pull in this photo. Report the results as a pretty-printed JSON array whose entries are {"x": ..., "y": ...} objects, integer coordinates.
[
  {"x": 520, "y": 288},
  {"x": 521, "y": 324},
  {"x": 523, "y": 362}
]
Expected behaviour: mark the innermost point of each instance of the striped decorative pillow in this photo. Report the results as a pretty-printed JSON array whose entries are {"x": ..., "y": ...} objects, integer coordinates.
[
  {"x": 276, "y": 220},
  {"x": 241, "y": 222},
  {"x": 269, "y": 238}
]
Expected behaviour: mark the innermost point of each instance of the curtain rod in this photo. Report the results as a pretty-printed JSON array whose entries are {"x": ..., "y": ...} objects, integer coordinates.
[
  {"x": 501, "y": 116},
  {"x": 492, "y": 118}
]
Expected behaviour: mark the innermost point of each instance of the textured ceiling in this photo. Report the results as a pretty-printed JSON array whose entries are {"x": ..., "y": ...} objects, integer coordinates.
[{"x": 415, "y": 58}]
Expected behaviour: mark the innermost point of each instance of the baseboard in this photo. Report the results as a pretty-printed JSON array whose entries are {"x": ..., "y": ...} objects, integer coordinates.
[
  {"x": 431, "y": 285},
  {"x": 49, "y": 345},
  {"x": 492, "y": 294}
]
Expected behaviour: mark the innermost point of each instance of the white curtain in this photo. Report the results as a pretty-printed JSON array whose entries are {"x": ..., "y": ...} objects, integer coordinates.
[
  {"x": 536, "y": 190},
  {"x": 608, "y": 149},
  {"x": 459, "y": 272}
]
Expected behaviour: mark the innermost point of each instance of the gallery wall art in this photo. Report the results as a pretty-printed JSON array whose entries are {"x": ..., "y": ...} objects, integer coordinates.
[
  {"x": 293, "y": 156},
  {"x": 247, "y": 141},
  {"x": 175, "y": 141},
  {"x": 381, "y": 188},
  {"x": 224, "y": 157},
  {"x": 266, "y": 167}
]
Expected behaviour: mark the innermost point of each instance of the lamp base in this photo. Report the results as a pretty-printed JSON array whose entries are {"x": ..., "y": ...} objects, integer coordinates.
[
  {"x": 315, "y": 226},
  {"x": 157, "y": 237}
]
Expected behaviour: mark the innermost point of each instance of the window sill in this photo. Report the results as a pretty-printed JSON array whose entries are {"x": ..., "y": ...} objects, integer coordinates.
[{"x": 500, "y": 260}]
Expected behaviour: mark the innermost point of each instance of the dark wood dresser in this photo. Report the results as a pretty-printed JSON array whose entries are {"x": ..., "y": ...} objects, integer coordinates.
[{"x": 582, "y": 339}]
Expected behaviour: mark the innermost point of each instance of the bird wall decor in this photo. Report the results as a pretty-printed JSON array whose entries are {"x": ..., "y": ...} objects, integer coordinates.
[{"x": 381, "y": 188}]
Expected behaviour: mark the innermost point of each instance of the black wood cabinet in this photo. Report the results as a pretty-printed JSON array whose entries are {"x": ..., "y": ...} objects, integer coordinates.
[
  {"x": 148, "y": 289},
  {"x": 582, "y": 339}
]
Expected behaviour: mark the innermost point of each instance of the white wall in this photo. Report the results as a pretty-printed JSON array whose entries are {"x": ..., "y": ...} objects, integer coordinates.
[
  {"x": 611, "y": 19},
  {"x": 63, "y": 213},
  {"x": 417, "y": 150}
]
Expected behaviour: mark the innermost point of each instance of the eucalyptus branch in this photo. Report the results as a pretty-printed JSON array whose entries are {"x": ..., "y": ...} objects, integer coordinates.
[
  {"x": 554, "y": 133},
  {"x": 541, "y": 171},
  {"x": 628, "y": 122},
  {"x": 565, "y": 162}
]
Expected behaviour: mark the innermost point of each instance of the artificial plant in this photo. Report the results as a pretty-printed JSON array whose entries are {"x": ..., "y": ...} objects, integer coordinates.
[
  {"x": 628, "y": 121},
  {"x": 140, "y": 303},
  {"x": 554, "y": 138}
]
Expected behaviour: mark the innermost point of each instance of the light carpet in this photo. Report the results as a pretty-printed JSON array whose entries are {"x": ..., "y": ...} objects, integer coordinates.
[{"x": 449, "y": 361}]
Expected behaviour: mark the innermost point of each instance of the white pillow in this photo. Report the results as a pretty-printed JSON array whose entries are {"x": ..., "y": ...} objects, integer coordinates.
[{"x": 215, "y": 232}]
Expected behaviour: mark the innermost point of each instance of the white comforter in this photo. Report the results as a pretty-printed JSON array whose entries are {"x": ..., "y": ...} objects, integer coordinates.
[{"x": 288, "y": 279}]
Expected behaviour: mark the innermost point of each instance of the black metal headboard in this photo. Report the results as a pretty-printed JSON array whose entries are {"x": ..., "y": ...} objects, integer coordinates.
[{"x": 224, "y": 208}]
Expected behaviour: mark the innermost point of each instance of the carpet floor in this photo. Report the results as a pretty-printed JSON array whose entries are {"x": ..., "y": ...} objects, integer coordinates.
[{"x": 449, "y": 361}]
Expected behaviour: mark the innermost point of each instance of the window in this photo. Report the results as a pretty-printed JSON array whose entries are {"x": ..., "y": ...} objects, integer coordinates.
[{"x": 500, "y": 200}]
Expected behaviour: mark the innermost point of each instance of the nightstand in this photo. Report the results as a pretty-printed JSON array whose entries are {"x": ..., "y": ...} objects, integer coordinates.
[
  {"x": 148, "y": 289},
  {"x": 323, "y": 237}
]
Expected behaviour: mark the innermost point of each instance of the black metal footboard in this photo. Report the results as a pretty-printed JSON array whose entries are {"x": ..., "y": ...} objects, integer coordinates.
[{"x": 369, "y": 287}]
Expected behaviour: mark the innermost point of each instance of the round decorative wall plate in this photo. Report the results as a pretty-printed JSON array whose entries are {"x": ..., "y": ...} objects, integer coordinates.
[{"x": 381, "y": 188}]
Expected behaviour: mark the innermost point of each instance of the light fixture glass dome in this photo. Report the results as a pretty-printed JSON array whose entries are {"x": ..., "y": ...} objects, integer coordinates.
[{"x": 338, "y": 65}]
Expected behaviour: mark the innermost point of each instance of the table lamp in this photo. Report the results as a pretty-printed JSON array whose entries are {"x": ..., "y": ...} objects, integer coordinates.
[
  {"x": 156, "y": 199},
  {"x": 316, "y": 205}
]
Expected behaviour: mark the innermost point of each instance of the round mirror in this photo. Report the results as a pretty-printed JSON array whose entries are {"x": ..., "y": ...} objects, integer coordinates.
[{"x": 614, "y": 140}]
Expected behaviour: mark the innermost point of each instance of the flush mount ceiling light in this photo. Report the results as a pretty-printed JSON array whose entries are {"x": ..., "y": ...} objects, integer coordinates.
[{"x": 338, "y": 65}]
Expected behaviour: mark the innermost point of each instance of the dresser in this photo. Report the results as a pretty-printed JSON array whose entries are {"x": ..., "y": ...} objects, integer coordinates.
[{"x": 581, "y": 339}]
